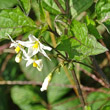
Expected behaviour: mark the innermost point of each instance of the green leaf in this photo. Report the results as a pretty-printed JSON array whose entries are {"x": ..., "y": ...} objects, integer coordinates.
[
  {"x": 84, "y": 43},
  {"x": 24, "y": 95},
  {"x": 13, "y": 21},
  {"x": 92, "y": 29},
  {"x": 25, "y": 5},
  {"x": 66, "y": 46},
  {"x": 103, "y": 10},
  {"x": 50, "y": 6},
  {"x": 106, "y": 107},
  {"x": 4, "y": 98},
  {"x": 33, "y": 107},
  {"x": 54, "y": 93},
  {"x": 69, "y": 103},
  {"x": 35, "y": 8},
  {"x": 107, "y": 24},
  {"x": 26, "y": 98},
  {"x": 7, "y": 3},
  {"x": 42, "y": 13},
  {"x": 78, "y": 6},
  {"x": 33, "y": 74},
  {"x": 97, "y": 99}
]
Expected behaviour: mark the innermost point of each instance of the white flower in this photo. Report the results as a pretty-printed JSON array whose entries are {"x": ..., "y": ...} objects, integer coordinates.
[
  {"x": 15, "y": 44},
  {"x": 46, "y": 82},
  {"x": 34, "y": 46},
  {"x": 18, "y": 47},
  {"x": 36, "y": 63}
]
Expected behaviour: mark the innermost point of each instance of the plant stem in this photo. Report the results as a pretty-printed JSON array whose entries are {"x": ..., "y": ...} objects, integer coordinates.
[
  {"x": 59, "y": 6},
  {"x": 54, "y": 32},
  {"x": 54, "y": 49},
  {"x": 78, "y": 88},
  {"x": 67, "y": 7}
]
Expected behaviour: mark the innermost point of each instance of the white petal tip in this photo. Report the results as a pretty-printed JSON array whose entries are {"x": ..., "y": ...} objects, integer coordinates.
[
  {"x": 39, "y": 70},
  {"x": 49, "y": 59},
  {"x": 42, "y": 89},
  {"x": 17, "y": 59}
]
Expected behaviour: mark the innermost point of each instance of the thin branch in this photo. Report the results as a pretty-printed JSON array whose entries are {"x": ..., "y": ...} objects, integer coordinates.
[
  {"x": 97, "y": 68},
  {"x": 67, "y": 6},
  {"x": 68, "y": 60},
  {"x": 99, "y": 71},
  {"x": 4, "y": 64},
  {"x": 54, "y": 32},
  {"x": 93, "y": 77},
  {"x": 32, "y": 83},
  {"x": 71, "y": 80},
  {"x": 4, "y": 47},
  {"x": 90, "y": 103},
  {"x": 59, "y": 6},
  {"x": 84, "y": 64},
  {"x": 68, "y": 11},
  {"x": 90, "y": 89},
  {"x": 54, "y": 49},
  {"x": 85, "y": 88},
  {"x": 78, "y": 88},
  {"x": 19, "y": 83}
]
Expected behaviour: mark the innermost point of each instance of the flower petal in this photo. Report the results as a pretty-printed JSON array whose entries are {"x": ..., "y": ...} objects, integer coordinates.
[
  {"x": 13, "y": 45},
  {"x": 25, "y": 43},
  {"x": 46, "y": 82},
  {"x": 25, "y": 54},
  {"x": 44, "y": 53},
  {"x": 30, "y": 61},
  {"x": 32, "y": 52},
  {"x": 18, "y": 58},
  {"x": 40, "y": 64},
  {"x": 11, "y": 38},
  {"x": 45, "y": 47},
  {"x": 32, "y": 38}
]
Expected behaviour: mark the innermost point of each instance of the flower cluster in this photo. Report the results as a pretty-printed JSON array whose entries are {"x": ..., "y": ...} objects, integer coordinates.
[{"x": 33, "y": 46}]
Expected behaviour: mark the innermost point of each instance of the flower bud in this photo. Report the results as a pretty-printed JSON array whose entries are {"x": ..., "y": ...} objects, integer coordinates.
[
  {"x": 46, "y": 82},
  {"x": 18, "y": 57}
]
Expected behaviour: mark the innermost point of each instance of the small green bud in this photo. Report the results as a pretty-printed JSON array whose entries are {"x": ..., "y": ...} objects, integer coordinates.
[
  {"x": 58, "y": 70},
  {"x": 70, "y": 66},
  {"x": 87, "y": 108}
]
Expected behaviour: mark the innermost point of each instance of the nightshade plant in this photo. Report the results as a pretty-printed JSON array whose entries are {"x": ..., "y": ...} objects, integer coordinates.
[{"x": 65, "y": 33}]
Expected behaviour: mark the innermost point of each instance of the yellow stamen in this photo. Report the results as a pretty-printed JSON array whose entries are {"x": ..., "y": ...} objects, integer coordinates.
[
  {"x": 34, "y": 64},
  {"x": 36, "y": 45},
  {"x": 17, "y": 49}
]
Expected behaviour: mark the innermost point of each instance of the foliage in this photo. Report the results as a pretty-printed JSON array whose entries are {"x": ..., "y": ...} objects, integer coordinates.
[{"x": 76, "y": 34}]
